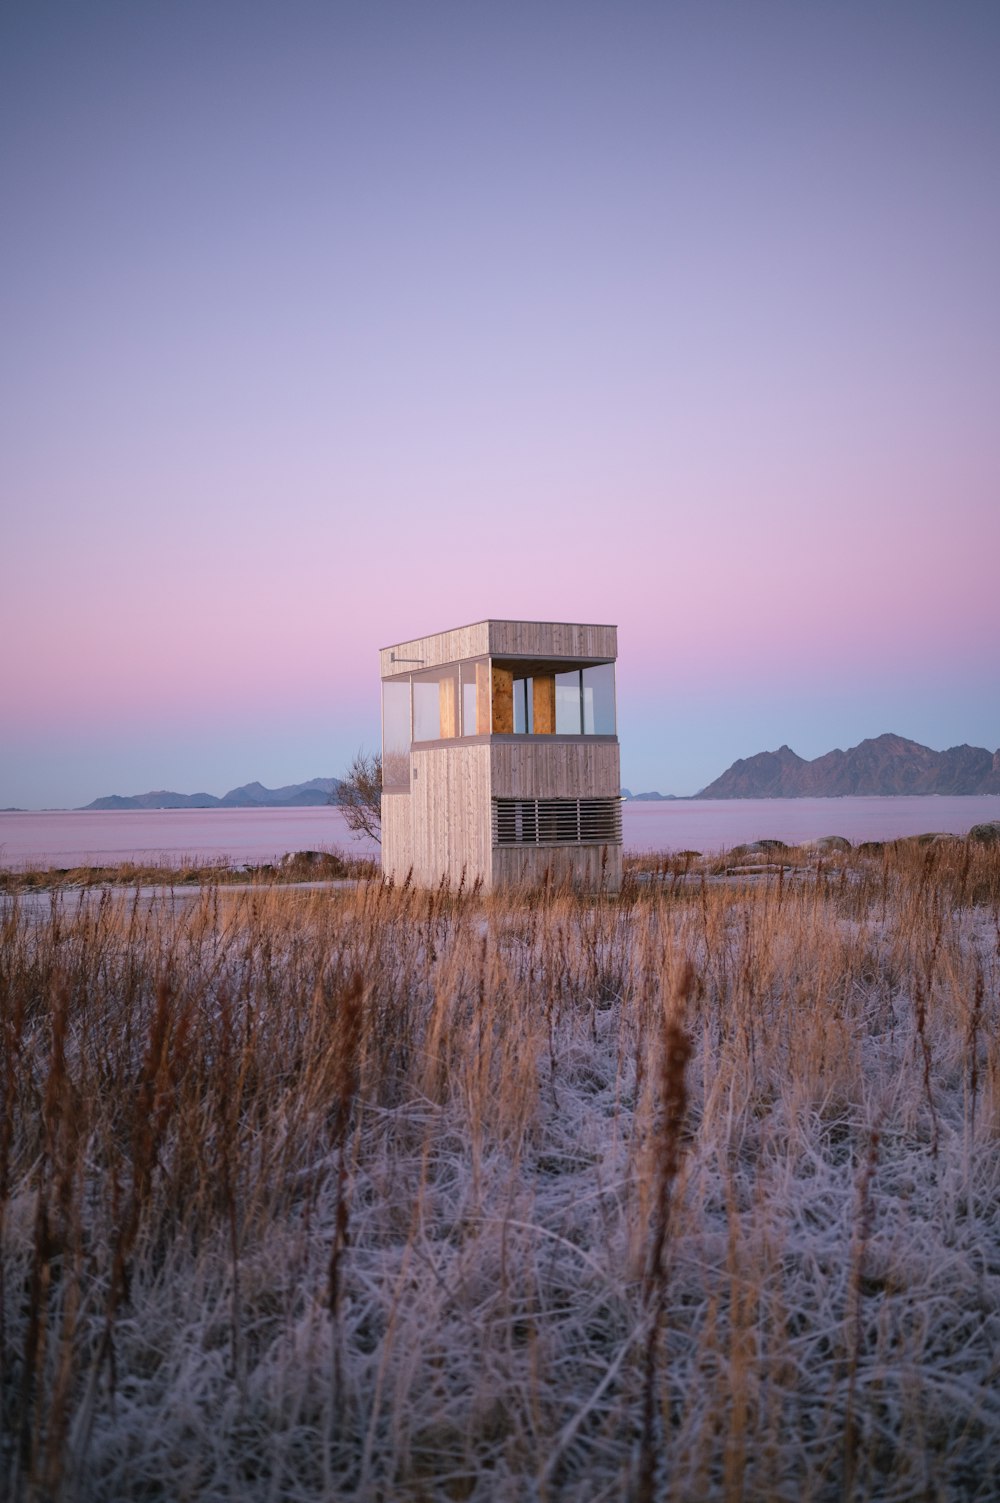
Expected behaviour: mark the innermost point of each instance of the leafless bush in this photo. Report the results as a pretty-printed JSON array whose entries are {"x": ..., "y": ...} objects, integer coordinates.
[{"x": 359, "y": 796}]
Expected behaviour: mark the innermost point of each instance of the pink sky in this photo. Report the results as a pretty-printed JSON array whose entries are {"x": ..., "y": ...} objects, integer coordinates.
[{"x": 325, "y": 326}]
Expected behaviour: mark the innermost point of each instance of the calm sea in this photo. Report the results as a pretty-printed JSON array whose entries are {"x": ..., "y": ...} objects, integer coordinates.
[{"x": 71, "y": 838}]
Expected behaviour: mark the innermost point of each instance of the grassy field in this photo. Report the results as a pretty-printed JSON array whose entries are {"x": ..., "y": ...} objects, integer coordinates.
[{"x": 690, "y": 1193}]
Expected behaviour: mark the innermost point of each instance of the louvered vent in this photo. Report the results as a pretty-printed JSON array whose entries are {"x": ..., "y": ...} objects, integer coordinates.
[{"x": 557, "y": 821}]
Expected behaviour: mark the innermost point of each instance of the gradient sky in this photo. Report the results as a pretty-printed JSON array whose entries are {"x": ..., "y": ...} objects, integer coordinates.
[{"x": 324, "y": 325}]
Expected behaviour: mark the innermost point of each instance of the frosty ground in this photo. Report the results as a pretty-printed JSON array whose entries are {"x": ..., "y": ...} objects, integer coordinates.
[{"x": 690, "y": 1192}]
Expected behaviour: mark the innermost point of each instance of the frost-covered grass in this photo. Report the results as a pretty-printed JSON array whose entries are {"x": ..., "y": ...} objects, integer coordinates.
[{"x": 691, "y": 1193}]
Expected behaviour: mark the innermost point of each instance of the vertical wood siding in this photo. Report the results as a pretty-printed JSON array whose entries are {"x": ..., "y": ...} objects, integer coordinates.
[
  {"x": 442, "y": 647},
  {"x": 450, "y": 816},
  {"x": 397, "y": 840},
  {"x": 562, "y": 769},
  {"x": 588, "y": 867},
  {"x": 558, "y": 639},
  {"x": 443, "y": 827}
]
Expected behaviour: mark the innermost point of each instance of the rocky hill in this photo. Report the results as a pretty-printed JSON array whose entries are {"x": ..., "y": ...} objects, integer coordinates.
[
  {"x": 884, "y": 765},
  {"x": 248, "y": 796},
  {"x": 647, "y": 798}
]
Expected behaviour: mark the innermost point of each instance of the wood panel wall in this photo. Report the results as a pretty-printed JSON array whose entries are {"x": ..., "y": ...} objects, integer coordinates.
[
  {"x": 560, "y": 769},
  {"x": 540, "y": 639},
  {"x": 551, "y": 639},
  {"x": 587, "y": 867},
  {"x": 450, "y": 813},
  {"x": 397, "y": 839},
  {"x": 442, "y": 828},
  {"x": 442, "y": 647}
]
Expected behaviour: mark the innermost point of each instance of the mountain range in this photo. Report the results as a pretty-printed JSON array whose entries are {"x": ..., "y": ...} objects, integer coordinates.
[
  {"x": 249, "y": 796},
  {"x": 882, "y": 766},
  {"x": 648, "y": 798}
]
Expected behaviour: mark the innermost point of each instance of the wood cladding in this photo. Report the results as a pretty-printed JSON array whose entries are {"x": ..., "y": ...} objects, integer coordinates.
[
  {"x": 589, "y": 868},
  {"x": 431, "y": 652},
  {"x": 551, "y": 639},
  {"x": 544, "y": 703},
  {"x": 450, "y": 819},
  {"x": 443, "y": 828},
  {"x": 540, "y": 639},
  {"x": 562, "y": 769},
  {"x": 397, "y": 841},
  {"x": 503, "y": 701}
]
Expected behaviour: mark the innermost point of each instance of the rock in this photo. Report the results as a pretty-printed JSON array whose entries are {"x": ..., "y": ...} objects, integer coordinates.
[{"x": 987, "y": 834}]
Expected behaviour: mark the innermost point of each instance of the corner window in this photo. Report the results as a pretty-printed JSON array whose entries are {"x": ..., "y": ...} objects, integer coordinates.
[
  {"x": 598, "y": 694},
  {"x": 396, "y": 735},
  {"x": 436, "y": 705},
  {"x": 567, "y": 702},
  {"x": 568, "y": 719}
]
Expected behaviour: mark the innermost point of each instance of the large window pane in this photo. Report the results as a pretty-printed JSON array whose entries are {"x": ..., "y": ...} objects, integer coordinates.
[
  {"x": 396, "y": 734},
  {"x": 476, "y": 698},
  {"x": 599, "y": 700},
  {"x": 524, "y": 707},
  {"x": 553, "y": 697},
  {"x": 568, "y": 703},
  {"x": 435, "y": 705}
]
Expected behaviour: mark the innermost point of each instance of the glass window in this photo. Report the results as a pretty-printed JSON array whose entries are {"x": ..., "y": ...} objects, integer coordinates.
[
  {"x": 524, "y": 707},
  {"x": 435, "y": 705},
  {"x": 599, "y": 700},
  {"x": 396, "y": 734},
  {"x": 568, "y": 721},
  {"x": 476, "y": 698},
  {"x": 568, "y": 701}
]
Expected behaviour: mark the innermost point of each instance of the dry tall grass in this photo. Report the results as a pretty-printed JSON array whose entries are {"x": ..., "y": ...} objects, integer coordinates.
[{"x": 691, "y": 1193}]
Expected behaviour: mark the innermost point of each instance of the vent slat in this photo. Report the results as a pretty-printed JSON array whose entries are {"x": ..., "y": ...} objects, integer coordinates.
[{"x": 557, "y": 821}]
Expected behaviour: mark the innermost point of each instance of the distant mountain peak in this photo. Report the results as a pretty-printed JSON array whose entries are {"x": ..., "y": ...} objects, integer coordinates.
[
  {"x": 883, "y": 765},
  {"x": 248, "y": 796}
]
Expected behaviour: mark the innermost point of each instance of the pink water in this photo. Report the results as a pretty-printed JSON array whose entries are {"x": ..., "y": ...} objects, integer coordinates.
[
  {"x": 167, "y": 836},
  {"x": 718, "y": 824},
  {"x": 72, "y": 838}
]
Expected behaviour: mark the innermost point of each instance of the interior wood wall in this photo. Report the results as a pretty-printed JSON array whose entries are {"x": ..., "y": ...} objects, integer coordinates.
[
  {"x": 543, "y": 696},
  {"x": 503, "y": 701}
]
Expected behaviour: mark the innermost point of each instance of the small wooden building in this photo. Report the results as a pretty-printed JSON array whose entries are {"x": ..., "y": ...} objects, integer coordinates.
[{"x": 500, "y": 755}]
